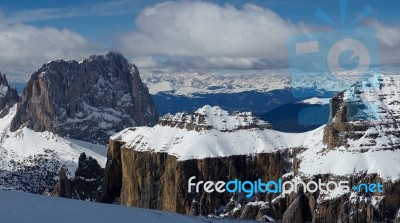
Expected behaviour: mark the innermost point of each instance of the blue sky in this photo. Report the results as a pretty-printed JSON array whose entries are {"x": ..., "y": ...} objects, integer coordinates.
[{"x": 155, "y": 34}]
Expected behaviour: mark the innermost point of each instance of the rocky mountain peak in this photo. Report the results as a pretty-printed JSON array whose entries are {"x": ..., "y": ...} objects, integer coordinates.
[
  {"x": 88, "y": 100},
  {"x": 367, "y": 115},
  {"x": 208, "y": 117},
  {"x": 3, "y": 80},
  {"x": 86, "y": 183},
  {"x": 110, "y": 57},
  {"x": 8, "y": 96}
]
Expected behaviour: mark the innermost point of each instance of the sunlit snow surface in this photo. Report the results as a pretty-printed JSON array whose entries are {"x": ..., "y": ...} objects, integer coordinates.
[
  {"x": 29, "y": 154},
  {"x": 26, "y": 142},
  {"x": 18, "y": 207}
]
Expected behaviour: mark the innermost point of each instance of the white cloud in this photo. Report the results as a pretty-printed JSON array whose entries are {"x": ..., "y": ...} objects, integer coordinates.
[
  {"x": 388, "y": 35},
  {"x": 24, "y": 48},
  {"x": 193, "y": 64},
  {"x": 146, "y": 62},
  {"x": 241, "y": 63},
  {"x": 207, "y": 35},
  {"x": 202, "y": 29},
  {"x": 389, "y": 42}
]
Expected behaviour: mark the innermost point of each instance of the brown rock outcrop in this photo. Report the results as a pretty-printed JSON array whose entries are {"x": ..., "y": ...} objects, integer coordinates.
[
  {"x": 160, "y": 181},
  {"x": 88, "y": 100},
  {"x": 85, "y": 185}
]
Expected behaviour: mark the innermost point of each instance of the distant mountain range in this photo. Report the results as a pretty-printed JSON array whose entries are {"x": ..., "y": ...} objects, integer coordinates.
[
  {"x": 188, "y": 84},
  {"x": 270, "y": 96}
]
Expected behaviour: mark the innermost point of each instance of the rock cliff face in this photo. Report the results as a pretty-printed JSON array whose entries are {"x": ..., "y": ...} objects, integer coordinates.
[
  {"x": 88, "y": 100},
  {"x": 85, "y": 185},
  {"x": 160, "y": 181},
  {"x": 201, "y": 120},
  {"x": 369, "y": 112},
  {"x": 8, "y": 96}
]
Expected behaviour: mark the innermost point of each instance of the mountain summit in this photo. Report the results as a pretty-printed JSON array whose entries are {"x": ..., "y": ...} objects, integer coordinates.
[
  {"x": 8, "y": 96},
  {"x": 88, "y": 100}
]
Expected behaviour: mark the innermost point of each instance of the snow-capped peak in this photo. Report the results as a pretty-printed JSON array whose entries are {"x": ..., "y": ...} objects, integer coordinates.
[
  {"x": 208, "y": 117},
  {"x": 369, "y": 112}
]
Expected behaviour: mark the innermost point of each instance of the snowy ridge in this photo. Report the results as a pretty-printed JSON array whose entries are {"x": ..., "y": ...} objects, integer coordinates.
[
  {"x": 215, "y": 141},
  {"x": 32, "y": 154},
  {"x": 380, "y": 100},
  {"x": 186, "y": 144},
  {"x": 208, "y": 117}
]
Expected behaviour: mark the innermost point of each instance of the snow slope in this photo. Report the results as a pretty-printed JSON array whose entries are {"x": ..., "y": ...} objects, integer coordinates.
[
  {"x": 31, "y": 154},
  {"x": 25, "y": 142},
  {"x": 377, "y": 150},
  {"x": 186, "y": 144},
  {"x": 225, "y": 137},
  {"x": 209, "y": 117},
  {"x": 18, "y": 207}
]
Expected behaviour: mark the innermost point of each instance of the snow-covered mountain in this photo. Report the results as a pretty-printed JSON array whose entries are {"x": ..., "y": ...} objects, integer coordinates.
[
  {"x": 214, "y": 145},
  {"x": 67, "y": 108},
  {"x": 209, "y": 132},
  {"x": 209, "y": 117},
  {"x": 150, "y": 166},
  {"x": 214, "y": 133},
  {"x": 372, "y": 148},
  {"x": 30, "y": 161},
  {"x": 364, "y": 134}
]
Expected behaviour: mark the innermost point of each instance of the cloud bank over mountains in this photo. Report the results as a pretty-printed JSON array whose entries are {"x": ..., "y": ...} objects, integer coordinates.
[{"x": 24, "y": 48}]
